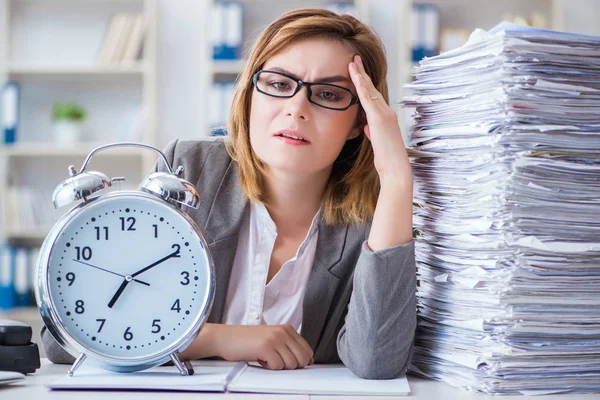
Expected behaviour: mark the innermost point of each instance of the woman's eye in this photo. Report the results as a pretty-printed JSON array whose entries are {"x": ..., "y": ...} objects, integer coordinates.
[
  {"x": 329, "y": 96},
  {"x": 279, "y": 85}
]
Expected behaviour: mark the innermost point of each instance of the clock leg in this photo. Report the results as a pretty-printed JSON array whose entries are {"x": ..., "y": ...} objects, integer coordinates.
[
  {"x": 77, "y": 364},
  {"x": 185, "y": 368}
]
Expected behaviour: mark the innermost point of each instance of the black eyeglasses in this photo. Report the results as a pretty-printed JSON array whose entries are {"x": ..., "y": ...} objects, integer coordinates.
[{"x": 326, "y": 95}]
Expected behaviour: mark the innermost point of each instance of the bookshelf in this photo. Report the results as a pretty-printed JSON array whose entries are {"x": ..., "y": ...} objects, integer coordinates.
[
  {"x": 37, "y": 150},
  {"x": 52, "y": 49},
  {"x": 256, "y": 15},
  {"x": 77, "y": 72}
]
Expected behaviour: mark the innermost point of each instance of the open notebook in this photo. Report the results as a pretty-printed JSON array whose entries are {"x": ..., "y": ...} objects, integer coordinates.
[
  {"x": 7, "y": 377},
  {"x": 222, "y": 376}
]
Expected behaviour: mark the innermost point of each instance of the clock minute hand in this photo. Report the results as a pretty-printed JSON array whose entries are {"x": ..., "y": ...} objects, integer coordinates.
[
  {"x": 110, "y": 272},
  {"x": 154, "y": 264}
]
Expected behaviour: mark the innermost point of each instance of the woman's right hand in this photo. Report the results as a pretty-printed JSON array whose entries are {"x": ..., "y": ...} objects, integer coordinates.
[{"x": 273, "y": 346}]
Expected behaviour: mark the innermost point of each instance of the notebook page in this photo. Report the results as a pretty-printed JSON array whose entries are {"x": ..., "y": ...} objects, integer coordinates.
[{"x": 315, "y": 379}]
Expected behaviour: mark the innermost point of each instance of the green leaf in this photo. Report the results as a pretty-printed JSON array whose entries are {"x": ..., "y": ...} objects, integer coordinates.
[{"x": 68, "y": 111}]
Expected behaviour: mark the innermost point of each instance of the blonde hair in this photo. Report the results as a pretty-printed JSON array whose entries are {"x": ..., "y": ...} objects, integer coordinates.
[{"x": 353, "y": 187}]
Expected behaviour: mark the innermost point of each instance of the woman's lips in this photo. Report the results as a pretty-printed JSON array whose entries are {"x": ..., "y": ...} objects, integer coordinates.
[
  {"x": 292, "y": 136},
  {"x": 291, "y": 141}
]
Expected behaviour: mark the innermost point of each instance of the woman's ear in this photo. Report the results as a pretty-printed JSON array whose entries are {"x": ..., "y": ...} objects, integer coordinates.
[
  {"x": 355, "y": 132},
  {"x": 359, "y": 127}
]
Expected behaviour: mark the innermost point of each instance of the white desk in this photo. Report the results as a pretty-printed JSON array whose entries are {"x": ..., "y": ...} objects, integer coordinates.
[{"x": 33, "y": 387}]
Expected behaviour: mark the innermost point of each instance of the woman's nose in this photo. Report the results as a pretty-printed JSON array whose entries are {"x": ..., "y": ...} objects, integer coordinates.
[{"x": 298, "y": 106}]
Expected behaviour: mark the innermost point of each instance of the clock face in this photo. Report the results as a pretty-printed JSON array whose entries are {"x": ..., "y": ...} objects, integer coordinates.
[{"x": 129, "y": 276}]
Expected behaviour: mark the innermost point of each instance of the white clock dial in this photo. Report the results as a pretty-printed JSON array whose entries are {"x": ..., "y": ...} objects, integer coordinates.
[{"x": 128, "y": 277}]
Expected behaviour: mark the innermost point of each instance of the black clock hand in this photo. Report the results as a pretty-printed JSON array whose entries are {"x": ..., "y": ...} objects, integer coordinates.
[
  {"x": 129, "y": 278},
  {"x": 112, "y": 301},
  {"x": 110, "y": 272},
  {"x": 154, "y": 264}
]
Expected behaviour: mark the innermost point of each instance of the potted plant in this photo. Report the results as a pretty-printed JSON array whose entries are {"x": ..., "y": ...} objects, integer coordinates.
[{"x": 67, "y": 120}]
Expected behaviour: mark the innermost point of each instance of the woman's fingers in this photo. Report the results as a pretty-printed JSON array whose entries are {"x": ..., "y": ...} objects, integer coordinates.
[
  {"x": 370, "y": 99},
  {"x": 300, "y": 346},
  {"x": 359, "y": 84},
  {"x": 272, "y": 360},
  {"x": 299, "y": 353},
  {"x": 289, "y": 358},
  {"x": 283, "y": 348},
  {"x": 361, "y": 68}
]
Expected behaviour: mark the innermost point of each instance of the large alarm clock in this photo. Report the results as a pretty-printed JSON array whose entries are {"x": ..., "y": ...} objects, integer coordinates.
[{"x": 125, "y": 278}]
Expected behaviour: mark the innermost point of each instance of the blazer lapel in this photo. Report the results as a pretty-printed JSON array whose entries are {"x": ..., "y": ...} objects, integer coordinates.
[
  {"x": 222, "y": 232},
  {"x": 322, "y": 283}
]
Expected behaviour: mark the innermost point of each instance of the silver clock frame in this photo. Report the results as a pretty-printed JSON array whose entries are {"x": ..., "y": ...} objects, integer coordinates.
[
  {"x": 160, "y": 194},
  {"x": 58, "y": 329}
]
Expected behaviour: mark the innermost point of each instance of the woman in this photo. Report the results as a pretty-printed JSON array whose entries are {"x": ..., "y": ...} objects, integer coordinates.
[{"x": 307, "y": 206}]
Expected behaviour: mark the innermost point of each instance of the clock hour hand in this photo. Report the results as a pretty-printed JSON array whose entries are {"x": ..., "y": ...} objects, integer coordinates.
[
  {"x": 114, "y": 299},
  {"x": 154, "y": 264},
  {"x": 110, "y": 272}
]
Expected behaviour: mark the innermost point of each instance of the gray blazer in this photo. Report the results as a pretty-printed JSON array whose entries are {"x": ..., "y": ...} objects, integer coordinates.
[{"x": 359, "y": 306}]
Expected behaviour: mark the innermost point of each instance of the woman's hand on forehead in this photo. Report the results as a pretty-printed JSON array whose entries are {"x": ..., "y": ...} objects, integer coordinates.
[{"x": 382, "y": 129}]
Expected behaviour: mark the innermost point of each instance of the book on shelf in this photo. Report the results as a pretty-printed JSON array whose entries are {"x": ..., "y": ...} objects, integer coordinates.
[
  {"x": 108, "y": 40},
  {"x": 9, "y": 100},
  {"x": 136, "y": 39},
  {"x": 17, "y": 266},
  {"x": 226, "y": 30},
  {"x": 124, "y": 39},
  {"x": 221, "y": 95},
  {"x": 2, "y": 213},
  {"x": 27, "y": 208},
  {"x": 425, "y": 23}
]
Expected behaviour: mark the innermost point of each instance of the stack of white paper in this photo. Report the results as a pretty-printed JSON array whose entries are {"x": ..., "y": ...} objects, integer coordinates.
[{"x": 506, "y": 157}]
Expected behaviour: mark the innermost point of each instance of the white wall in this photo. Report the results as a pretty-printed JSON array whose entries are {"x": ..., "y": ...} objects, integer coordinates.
[
  {"x": 180, "y": 69},
  {"x": 582, "y": 16}
]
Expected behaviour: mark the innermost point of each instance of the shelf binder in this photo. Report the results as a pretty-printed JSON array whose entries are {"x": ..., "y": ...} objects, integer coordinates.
[
  {"x": 226, "y": 32},
  {"x": 7, "y": 273},
  {"x": 23, "y": 278},
  {"x": 10, "y": 111},
  {"x": 16, "y": 276},
  {"x": 425, "y": 22}
]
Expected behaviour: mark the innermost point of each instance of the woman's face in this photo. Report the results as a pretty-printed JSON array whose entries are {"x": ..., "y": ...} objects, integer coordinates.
[{"x": 274, "y": 122}]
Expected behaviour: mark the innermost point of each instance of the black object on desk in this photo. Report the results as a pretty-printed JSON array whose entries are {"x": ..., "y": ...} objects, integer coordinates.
[{"x": 17, "y": 352}]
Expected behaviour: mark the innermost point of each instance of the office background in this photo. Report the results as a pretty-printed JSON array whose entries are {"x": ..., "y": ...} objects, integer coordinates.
[{"x": 86, "y": 53}]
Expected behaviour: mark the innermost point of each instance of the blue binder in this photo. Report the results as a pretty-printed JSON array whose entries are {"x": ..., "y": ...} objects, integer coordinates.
[
  {"x": 7, "y": 274},
  {"x": 425, "y": 31},
  {"x": 227, "y": 31},
  {"x": 23, "y": 278},
  {"x": 10, "y": 111}
]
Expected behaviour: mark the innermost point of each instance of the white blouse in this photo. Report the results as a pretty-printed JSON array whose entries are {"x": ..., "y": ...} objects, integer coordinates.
[{"x": 250, "y": 301}]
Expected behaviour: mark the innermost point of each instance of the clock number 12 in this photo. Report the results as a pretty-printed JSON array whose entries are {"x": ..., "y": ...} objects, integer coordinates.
[{"x": 131, "y": 222}]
